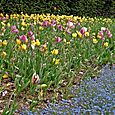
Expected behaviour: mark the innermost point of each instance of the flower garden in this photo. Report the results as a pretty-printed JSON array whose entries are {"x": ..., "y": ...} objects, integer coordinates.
[{"x": 41, "y": 56}]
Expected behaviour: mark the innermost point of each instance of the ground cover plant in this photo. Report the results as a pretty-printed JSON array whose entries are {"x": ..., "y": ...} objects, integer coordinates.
[
  {"x": 41, "y": 56},
  {"x": 94, "y": 97}
]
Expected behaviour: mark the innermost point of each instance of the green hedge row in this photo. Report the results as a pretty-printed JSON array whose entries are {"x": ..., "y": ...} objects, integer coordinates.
[{"x": 90, "y": 8}]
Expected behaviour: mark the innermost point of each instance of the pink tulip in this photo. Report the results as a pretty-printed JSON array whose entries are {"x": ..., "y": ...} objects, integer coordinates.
[
  {"x": 58, "y": 39},
  {"x": 69, "y": 23},
  {"x": 68, "y": 31},
  {"x": 53, "y": 23},
  {"x": 78, "y": 24},
  {"x": 101, "y": 34},
  {"x": 30, "y": 33},
  {"x": 28, "y": 44},
  {"x": 45, "y": 23},
  {"x": 60, "y": 27},
  {"x": 23, "y": 38},
  {"x": 108, "y": 32},
  {"x": 13, "y": 28},
  {"x": 15, "y": 31},
  {"x": 103, "y": 38},
  {"x": 83, "y": 30},
  {"x": 33, "y": 37},
  {"x": 4, "y": 18},
  {"x": 110, "y": 35}
]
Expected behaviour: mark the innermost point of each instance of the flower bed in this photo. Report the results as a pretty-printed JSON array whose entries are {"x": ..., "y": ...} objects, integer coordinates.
[{"x": 41, "y": 56}]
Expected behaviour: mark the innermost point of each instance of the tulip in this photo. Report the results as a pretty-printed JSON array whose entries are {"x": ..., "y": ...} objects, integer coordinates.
[
  {"x": 110, "y": 35},
  {"x": 95, "y": 41},
  {"x": 5, "y": 76},
  {"x": 58, "y": 39},
  {"x": 60, "y": 27},
  {"x": 70, "y": 24},
  {"x": 35, "y": 79},
  {"x": 54, "y": 52},
  {"x": 37, "y": 42},
  {"x": 3, "y": 54},
  {"x": 45, "y": 23},
  {"x": 0, "y": 43},
  {"x": 23, "y": 38},
  {"x": 33, "y": 37},
  {"x": 106, "y": 44},
  {"x": 18, "y": 42},
  {"x": 74, "y": 35},
  {"x": 30, "y": 33},
  {"x": 4, "y": 43},
  {"x": 83, "y": 30},
  {"x": 23, "y": 47}
]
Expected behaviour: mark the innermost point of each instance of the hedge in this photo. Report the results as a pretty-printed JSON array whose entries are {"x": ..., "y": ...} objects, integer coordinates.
[{"x": 90, "y": 8}]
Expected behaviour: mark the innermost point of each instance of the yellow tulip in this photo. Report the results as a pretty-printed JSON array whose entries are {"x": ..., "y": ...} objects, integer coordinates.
[
  {"x": 86, "y": 34},
  {"x": 4, "y": 43},
  {"x": 3, "y": 54},
  {"x": 5, "y": 76},
  {"x": 23, "y": 23},
  {"x": 37, "y": 42},
  {"x": 33, "y": 42},
  {"x": 19, "y": 48},
  {"x": 55, "y": 52},
  {"x": 74, "y": 35},
  {"x": 106, "y": 44},
  {"x": 95, "y": 41},
  {"x": 43, "y": 85},
  {"x": 98, "y": 36},
  {"x": 79, "y": 34},
  {"x": 67, "y": 43},
  {"x": 22, "y": 28},
  {"x": 8, "y": 24},
  {"x": 64, "y": 40},
  {"x": 57, "y": 61},
  {"x": 53, "y": 60},
  {"x": 41, "y": 28},
  {"x": 23, "y": 47},
  {"x": 0, "y": 43},
  {"x": 18, "y": 41},
  {"x": 3, "y": 24}
]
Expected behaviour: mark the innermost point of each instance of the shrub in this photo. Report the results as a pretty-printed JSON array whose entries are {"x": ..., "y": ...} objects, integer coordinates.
[{"x": 77, "y": 7}]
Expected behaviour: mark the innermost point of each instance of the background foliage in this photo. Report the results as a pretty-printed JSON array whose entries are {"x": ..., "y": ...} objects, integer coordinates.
[{"x": 90, "y": 8}]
